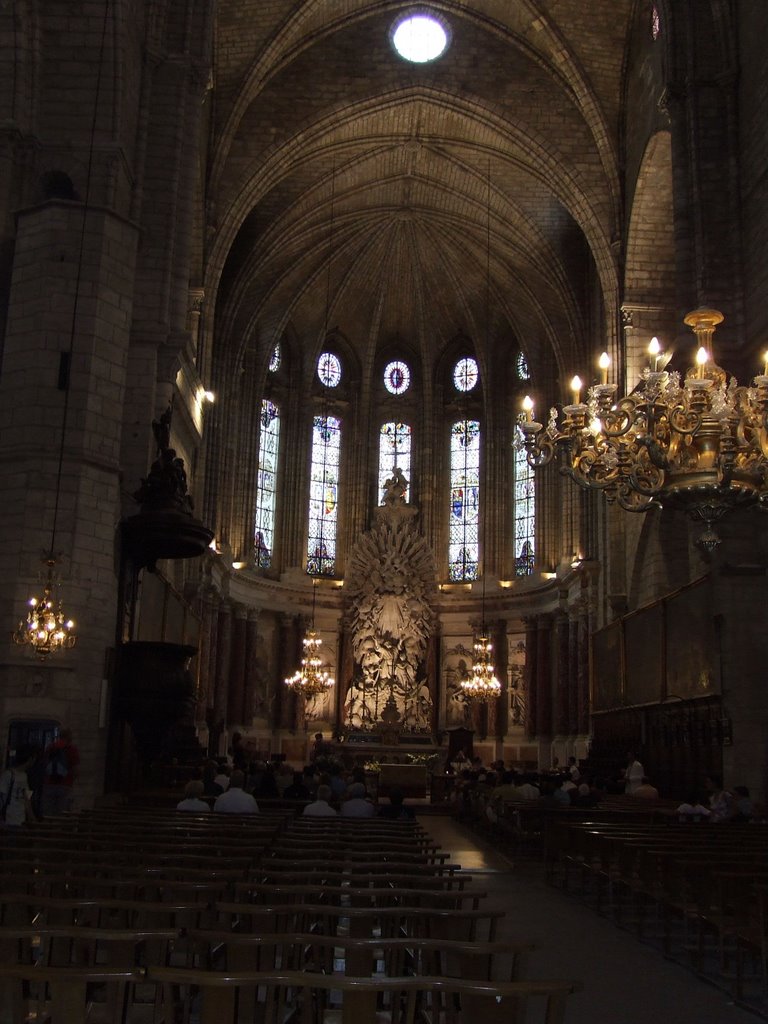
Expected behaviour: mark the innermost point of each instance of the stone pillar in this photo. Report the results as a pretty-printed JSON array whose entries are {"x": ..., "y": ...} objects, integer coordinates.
[
  {"x": 288, "y": 660},
  {"x": 543, "y": 678},
  {"x": 223, "y": 662},
  {"x": 206, "y": 608},
  {"x": 563, "y": 681},
  {"x": 573, "y": 665},
  {"x": 51, "y": 403},
  {"x": 252, "y": 696},
  {"x": 501, "y": 660},
  {"x": 529, "y": 675},
  {"x": 236, "y": 698},
  {"x": 582, "y": 676}
]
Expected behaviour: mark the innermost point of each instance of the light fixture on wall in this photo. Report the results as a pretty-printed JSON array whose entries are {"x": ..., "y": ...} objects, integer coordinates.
[
  {"x": 482, "y": 684},
  {"x": 46, "y": 629},
  {"x": 311, "y": 679},
  {"x": 698, "y": 444}
]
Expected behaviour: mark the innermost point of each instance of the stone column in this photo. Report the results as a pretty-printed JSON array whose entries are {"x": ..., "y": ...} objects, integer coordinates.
[
  {"x": 236, "y": 697},
  {"x": 253, "y": 698},
  {"x": 573, "y": 664},
  {"x": 207, "y": 604},
  {"x": 563, "y": 681},
  {"x": 223, "y": 662},
  {"x": 501, "y": 660},
  {"x": 529, "y": 675},
  {"x": 288, "y": 660},
  {"x": 543, "y": 677},
  {"x": 582, "y": 669}
]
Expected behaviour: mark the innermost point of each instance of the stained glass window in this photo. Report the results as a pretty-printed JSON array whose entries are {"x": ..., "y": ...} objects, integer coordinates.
[
  {"x": 329, "y": 370},
  {"x": 397, "y": 377},
  {"x": 266, "y": 484},
  {"x": 525, "y": 515},
  {"x": 274, "y": 359},
  {"x": 323, "y": 495},
  {"x": 522, "y": 367},
  {"x": 465, "y": 374},
  {"x": 394, "y": 450},
  {"x": 463, "y": 541}
]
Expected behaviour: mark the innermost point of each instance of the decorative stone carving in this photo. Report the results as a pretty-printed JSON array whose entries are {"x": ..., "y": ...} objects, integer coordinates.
[
  {"x": 458, "y": 667},
  {"x": 390, "y": 587}
]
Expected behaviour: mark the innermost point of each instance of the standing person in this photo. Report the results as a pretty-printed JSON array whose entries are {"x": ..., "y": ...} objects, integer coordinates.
[
  {"x": 633, "y": 774},
  {"x": 15, "y": 794},
  {"x": 62, "y": 760},
  {"x": 320, "y": 748}
]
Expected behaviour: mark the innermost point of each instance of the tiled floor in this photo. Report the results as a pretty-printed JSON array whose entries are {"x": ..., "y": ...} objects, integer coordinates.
[{"x": 625, "y": 981}]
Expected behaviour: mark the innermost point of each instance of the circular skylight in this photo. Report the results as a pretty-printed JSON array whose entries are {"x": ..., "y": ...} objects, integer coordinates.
[
  {"x": 329, "y": 369},
  {"x": 465, "y": 374},
  {"x": 420, "y": 37},
  {"x": 397, "y": 377}
]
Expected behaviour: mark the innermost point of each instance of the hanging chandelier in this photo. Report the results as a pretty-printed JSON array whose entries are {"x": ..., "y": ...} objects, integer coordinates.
[
  {"x": 482, "y": 684},
  {"x": 311, "y": 678},
  {"x": 697, "y": 443},
  {"x": 45, "y": 628}
]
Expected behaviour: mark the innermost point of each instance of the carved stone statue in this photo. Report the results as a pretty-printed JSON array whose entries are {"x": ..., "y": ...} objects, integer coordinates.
[
  {"x": 395, "y": 488},
  {"x": 390, "y": 583},
  {"x": 165, "y": 486}
]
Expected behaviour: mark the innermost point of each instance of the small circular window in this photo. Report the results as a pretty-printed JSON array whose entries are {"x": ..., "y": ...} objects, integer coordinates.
[
  {"x": 420, "y": 36},
  {"x": 329, "y": 370},
  {"x": 397, "y": 377},
  {"x": 465, "y": 374}
]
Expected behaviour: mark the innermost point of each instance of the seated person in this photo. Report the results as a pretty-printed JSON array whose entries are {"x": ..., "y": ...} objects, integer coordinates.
[
  {"x": 396, "y": 809},
  {"x": 646, "y": 791},
  {"x": 297, "y": 790},
  {"x": 528, "y": 788},
  {"x": 267, "y": 787},
  {"x": 321, "y": 807},
  {"x": 562, "y": 791},
  {"x": 585, "y": 796},
  {"x": 507, "y": 790},
  {"x": 356, "y": 806},
  {"x": 693, "y": 809},
  {"x": 743, "y": 808},
  {"x": 193, "y": 798},
  {"x": 235, "y": 800},
  {"x": 222, "y": 775},
  {"x": 210, "y": 785}
]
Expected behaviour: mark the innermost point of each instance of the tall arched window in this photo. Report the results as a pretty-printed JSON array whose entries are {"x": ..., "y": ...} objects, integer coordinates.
[
  {"x": 266, "y": 484},
  {"x": 525, "y": 515},
  {"x": 463, "y": 542},
  {"x": 394, "y": 450},
  {"x": 323, "y": 495}
]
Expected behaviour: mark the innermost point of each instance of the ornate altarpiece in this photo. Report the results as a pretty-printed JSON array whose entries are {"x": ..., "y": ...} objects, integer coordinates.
[{"x": 390, "y": 589}]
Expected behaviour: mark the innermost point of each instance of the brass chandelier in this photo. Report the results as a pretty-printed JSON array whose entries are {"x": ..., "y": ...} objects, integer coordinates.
[
  {"x": 311, "y": 679},
  {"x": 45, "y": 628},
  {"x": 697, "y": 443},
  {"x": 482, "y": 684}
]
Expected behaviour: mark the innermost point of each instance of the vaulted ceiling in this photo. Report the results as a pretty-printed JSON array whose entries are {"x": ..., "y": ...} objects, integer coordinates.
[{"x": 479, "y": 193}]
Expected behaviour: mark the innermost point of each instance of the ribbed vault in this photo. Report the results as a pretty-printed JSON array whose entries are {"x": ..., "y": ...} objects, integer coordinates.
[{"x": 350, "y": 185}]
